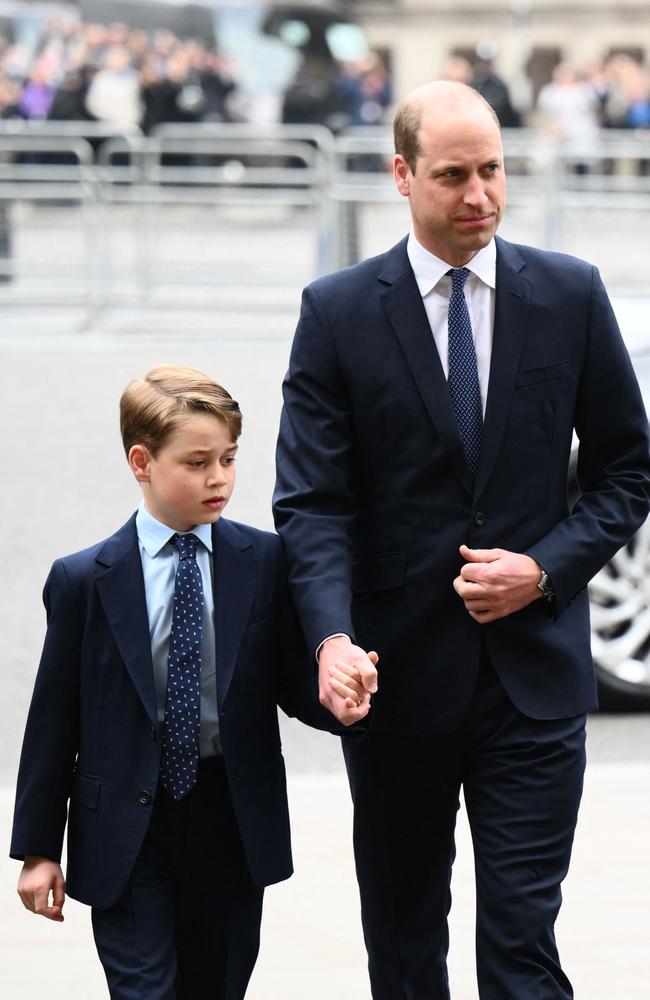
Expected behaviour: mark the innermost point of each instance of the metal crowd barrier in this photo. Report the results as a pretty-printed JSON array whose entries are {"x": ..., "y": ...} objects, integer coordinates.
[{"x": 121, "y": 202}]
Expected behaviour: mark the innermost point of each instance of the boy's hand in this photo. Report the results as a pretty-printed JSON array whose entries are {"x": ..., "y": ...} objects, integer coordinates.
[
  {"x": 39, "y": 877},
  {"x": 347, "y": 676},
  {"x": 346, "y": 682}
]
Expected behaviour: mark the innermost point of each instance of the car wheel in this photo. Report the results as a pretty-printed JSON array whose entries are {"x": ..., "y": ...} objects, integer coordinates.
[{"x": 620, "y": 626}]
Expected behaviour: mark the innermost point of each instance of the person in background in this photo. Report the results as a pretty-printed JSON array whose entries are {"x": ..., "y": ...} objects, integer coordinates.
[
  {"x": 569, "y": 108},
  {"x": 114, "y": 91},
  {"x": 37, "y": 93},
  {"x": 486, "y": 81},
  {"x": 366, "y": 91}
]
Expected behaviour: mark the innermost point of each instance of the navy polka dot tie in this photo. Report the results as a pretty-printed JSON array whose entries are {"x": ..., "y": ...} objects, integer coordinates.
[
  {"x": 180, "y": 744},
  {"x": 463, "y": 381}
]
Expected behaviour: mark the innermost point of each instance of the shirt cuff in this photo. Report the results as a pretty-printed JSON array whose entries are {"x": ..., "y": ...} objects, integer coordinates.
[{"x": 334, "y": 635}]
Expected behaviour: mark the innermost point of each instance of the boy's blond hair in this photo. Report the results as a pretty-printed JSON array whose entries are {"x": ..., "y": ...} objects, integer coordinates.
[{"x": 152, "y": 407}]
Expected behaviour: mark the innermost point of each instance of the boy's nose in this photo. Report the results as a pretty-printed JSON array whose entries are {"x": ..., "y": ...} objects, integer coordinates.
[{"x": 216, "y": 477}]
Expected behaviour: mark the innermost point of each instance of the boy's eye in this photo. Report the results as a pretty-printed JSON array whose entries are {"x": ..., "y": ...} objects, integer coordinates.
[
  {"x": 197, "y": 464},
  {"x": 229, "y": 461}
]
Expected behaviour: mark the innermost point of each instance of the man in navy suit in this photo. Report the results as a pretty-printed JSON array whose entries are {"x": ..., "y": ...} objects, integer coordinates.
[
  {"x": 422, "y": 499},
  {"x": 173, "y": 868}
]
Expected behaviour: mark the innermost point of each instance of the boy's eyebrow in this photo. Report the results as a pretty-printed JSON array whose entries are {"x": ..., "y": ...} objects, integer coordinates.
[{"x": 205, "y": 451}]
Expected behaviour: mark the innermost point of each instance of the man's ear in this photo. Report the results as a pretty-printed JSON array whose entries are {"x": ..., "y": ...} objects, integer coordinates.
[
  {"x": 140, "y": 461},
  {"x": 402, "y": 174}
]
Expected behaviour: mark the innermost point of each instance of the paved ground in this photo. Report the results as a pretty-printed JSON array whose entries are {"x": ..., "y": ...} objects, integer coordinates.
[
  {"x": 311, "y": 942},
  {"x": 66, "y": 484}
]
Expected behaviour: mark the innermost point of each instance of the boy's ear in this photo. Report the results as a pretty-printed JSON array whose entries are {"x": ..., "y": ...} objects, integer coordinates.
[{"x": 139, "y": 460}]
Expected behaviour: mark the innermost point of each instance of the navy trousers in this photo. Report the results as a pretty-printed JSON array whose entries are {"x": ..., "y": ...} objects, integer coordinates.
[
  {"x": 522, "y": 781},
  {"x": 187, "y": 925}
]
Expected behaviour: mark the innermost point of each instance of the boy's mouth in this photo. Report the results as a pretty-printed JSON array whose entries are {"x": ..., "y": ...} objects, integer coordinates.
[{"x": 214, "y": 502}]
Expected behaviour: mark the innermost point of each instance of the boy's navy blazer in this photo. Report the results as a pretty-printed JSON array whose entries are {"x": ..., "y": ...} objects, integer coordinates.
[{"x": 93, "y": 738}]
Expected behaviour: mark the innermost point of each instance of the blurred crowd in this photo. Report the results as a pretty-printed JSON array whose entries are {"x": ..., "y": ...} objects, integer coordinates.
[
  {"x": 130, "y": 77},
  {"x": 113, "y": 74},
  {"x": 127, "y": 76},
  {"x": 575, "y": 103}
]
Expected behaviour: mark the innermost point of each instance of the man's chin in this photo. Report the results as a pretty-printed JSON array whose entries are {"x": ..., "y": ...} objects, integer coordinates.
[{"x": 479, "y": 240}]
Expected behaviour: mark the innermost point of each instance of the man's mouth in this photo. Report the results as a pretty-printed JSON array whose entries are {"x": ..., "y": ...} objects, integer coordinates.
[{"x": 475, "y": 220}]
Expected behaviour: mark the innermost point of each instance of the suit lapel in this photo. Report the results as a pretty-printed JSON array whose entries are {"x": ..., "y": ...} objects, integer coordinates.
[
  {"x": 122, "y": 593},
  {"x": 235, "y": 575},
  {"x": 406, "y": 313},
  {"x": 511, "y": 310}
]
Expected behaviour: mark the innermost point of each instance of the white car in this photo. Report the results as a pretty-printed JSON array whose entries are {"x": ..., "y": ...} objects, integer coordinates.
[{"x": 620, "y": 593}]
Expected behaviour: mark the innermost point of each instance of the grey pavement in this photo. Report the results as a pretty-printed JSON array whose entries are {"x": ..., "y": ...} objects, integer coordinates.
[
  {"x": 311, "y": 935},
  {"x": 65, "y": 485}
]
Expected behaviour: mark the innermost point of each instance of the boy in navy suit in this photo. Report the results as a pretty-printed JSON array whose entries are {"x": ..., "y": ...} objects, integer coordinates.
[{"x": 154, "y": 714}]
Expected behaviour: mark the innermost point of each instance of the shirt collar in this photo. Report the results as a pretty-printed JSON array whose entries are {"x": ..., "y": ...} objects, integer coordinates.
[
  {"x": 429, "y": 269},
  {"x": 154, "y": 535}
]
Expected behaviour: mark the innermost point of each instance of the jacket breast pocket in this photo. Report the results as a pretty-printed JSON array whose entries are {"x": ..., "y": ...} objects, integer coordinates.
[
  {"x": 85, "y": 790},
  {"x": 543, "y": 374},
  {"x": 378, "y": 572}
]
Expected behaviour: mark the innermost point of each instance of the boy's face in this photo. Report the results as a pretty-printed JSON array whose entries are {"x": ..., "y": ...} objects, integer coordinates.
[{"x": 190, "y": 480}]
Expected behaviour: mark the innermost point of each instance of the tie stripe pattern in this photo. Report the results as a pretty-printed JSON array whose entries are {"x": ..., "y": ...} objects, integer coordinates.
[
  {"x": 180, "y": 743},
  {"x": 464, "y": 387}
]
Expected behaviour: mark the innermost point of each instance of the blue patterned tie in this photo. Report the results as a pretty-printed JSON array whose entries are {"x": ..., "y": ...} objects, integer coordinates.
[
  {"x": 464, "y": 387},
  {"x": 180, "y": 744}
]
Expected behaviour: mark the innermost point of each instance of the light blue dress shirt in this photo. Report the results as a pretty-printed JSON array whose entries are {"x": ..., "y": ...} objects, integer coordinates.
[{"x": 159, "y": 562}]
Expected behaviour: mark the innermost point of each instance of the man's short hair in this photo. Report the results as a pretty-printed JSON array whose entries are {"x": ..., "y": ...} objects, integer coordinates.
[
  {"x": 406, "y": 127},
  {"x": 153, "y": 407},
  {"x": 406, "y": 132}
]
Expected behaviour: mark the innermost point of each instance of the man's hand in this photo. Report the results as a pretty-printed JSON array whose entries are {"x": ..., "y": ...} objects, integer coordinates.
[
  {"x": 38, "y": 878},
  {"x": 494, "y": 583},
  {"x": 346, "y": 692}
]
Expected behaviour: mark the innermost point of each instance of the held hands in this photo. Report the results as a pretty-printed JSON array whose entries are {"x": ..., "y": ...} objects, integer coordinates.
[
  {"x": 38, "y": 878},
  {"x": 494, "y": 583},
  {"x": 347, "y": 676}
]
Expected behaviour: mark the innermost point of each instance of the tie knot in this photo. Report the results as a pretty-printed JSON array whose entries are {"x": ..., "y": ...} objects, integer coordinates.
[
  {"x": 459, "y": 276},
  {"x": 186, "y": 545}
]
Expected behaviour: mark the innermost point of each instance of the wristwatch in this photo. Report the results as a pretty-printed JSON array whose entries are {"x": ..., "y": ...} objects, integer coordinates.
[{"x": 545, "y": 585}]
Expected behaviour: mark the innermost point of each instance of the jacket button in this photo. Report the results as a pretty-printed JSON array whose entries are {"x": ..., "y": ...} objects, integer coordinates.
[
  {"x": 154, "y": 734},
  {"x": 479, "y": 517},
  {"x": 145, "y": 798}
]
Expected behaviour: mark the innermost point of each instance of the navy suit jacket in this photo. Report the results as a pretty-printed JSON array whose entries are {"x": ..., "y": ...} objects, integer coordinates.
[
  {"x": 374, "y": 495},
  {"x": 93, "y": 739}
]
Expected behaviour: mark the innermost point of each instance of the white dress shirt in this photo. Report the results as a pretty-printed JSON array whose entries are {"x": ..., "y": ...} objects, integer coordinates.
[
  {"x": 159, "y": 561},
  {"x": 435, "y": 288}
]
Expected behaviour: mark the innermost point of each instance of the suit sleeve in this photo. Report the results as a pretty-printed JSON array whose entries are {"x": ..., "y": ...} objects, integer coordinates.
[
  {"x": 51, "y": 736},
  {"x": 315, "y": 499},
  {"x": 613, "y": 460},
  {"x": 297, "y": 680}
]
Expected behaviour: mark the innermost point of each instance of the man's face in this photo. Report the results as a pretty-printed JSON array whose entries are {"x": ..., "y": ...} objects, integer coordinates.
[{"x": 457, "y": 193}]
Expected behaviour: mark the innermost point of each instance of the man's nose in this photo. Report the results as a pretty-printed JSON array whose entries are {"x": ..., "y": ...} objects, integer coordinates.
[{"x": 475, "y": 193}]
